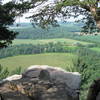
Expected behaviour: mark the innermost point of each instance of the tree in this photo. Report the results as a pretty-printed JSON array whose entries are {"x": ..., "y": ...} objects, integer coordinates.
[
  {"x": 8, "y": 12},
  {"x": 48, "y": 14},
  {"x": 7, "y": 16}
]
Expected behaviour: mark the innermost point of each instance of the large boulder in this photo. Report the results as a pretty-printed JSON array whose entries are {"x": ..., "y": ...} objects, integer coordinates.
[
  {"x": 94, "y": 90},
  {"x": 98, "y": 96},
  {"x": 41, "y": 83}
]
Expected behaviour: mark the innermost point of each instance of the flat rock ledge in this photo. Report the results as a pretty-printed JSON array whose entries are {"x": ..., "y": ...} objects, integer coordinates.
[{"x": 41, "y": 82}]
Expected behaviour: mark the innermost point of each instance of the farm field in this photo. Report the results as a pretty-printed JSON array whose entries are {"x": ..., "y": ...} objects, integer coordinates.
[
  {"x": 89, "y": 38},
  {"x": 52, "y": 59},
  {"x": 45, "y": 41},
  {"x": 95, "y": 49}
]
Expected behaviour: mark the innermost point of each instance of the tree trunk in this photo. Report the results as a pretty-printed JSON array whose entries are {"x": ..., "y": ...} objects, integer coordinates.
[
  {"x": 98, "y": 23},
  {"x": 96, "y": 15}
]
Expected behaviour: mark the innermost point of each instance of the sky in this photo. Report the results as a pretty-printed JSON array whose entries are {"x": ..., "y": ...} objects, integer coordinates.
[
  {"x": 20, "y": 19},
  {"x": 23, "y": 19}
]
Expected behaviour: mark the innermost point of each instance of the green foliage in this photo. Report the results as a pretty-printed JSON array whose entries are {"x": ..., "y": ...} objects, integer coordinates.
[
  {"x": 66, "y": 30},
  {"x": 6, "y": 18},
  {"x": 89, "y": 38},
  {"x": 63, "y": 60},
  {"x": 88, "y": 64},
  {"x": 71, "y": 68},
  {"x": 35, "y": 49},
  {"x": 26, "y": 31},
  {"x": 90, "y": 26},
  {"x": 96, "y": 49},
  {"x": 3, "y": 72},
  {"x": 65, "y": 9},
  {"x": 17, "y": 70},
  {"x": 65, "y": 41}
]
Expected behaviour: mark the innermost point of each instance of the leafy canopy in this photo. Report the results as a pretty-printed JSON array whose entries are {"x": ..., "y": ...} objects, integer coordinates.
[
  {"x": 46, "y": 15},
  {"x": 64, "y": 9}
]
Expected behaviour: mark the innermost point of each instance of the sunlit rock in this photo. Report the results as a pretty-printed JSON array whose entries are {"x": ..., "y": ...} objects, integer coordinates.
[{"x": 42, "y": 82}]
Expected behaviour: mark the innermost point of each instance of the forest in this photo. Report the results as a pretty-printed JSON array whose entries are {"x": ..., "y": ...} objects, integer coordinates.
[
  {"x": 83, "y": 49},
  {"x": 73, "y": 46}
]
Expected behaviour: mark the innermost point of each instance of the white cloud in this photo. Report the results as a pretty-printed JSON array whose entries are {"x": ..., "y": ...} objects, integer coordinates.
[
  {"x": 98, "y": 4},
  {"x": 5, "y": 1},
  {"x": 23, "y": 19}
]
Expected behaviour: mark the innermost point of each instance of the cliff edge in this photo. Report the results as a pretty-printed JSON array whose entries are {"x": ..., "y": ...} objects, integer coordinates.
[{"x": 41, "y": 82}]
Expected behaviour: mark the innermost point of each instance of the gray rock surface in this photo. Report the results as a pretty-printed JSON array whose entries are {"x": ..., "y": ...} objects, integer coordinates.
[
  {"x": 42, "y": 83},
  {"x": 98, "y": 96}
]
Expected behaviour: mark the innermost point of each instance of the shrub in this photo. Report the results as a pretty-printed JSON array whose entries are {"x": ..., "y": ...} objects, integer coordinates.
[
  {"x": 18, "y": 70},
  {"x": 88, "y": 64},
  {"x": 3, "y": 72}
]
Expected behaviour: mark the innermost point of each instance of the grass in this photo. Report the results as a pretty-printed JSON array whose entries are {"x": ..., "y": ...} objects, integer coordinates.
[
  {"x": 90, "y": 38},
  {"x": 52, "y": 59},
  {"x": 95, "y": 49},
  {"x": 44, "y": 41}
]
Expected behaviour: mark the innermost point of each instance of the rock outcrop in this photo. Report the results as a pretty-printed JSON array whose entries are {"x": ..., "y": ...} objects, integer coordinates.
[
  {"x": 41, "y": 83},
  {"x": 94, "y": 90}
]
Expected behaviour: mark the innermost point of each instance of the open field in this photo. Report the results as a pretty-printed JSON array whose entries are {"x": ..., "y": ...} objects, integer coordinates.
[
  {"x": 44, "y": 41},
  {"x": 52, "y": 59},
  {"x": 95, "y": 49},
  {"x": 90, "y": 38}
]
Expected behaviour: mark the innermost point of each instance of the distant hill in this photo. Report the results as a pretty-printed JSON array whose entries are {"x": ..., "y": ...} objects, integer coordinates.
[{"x": 27, "y": 31}]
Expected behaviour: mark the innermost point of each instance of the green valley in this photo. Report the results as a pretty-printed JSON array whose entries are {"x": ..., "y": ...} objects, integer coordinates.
[
  {"x": 63, "y": 60},
  {"x": 58, "y": 47},
  {"x": 45, "y": 41}
]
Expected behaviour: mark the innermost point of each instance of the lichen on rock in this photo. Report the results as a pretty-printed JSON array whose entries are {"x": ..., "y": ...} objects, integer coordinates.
[{"x": 42, "y": 83}]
